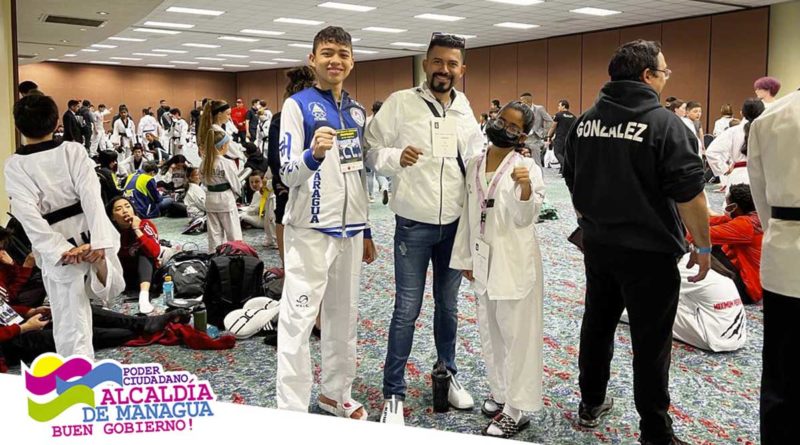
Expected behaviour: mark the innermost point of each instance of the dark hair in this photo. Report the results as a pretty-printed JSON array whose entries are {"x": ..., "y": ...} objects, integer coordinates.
[
  {"x": 564, "y": 103},
  {"x": 101, "y": 106},
  {"x": 189, "y": 171},
  {"x": 674, "y": 104},
  {"x": 263, "y": 103},
  {"x": 770, "y": 84},
  {"x": 300, "y": 78},
  {"x": 137, "y": 146},
  {"x": 147, "y": 112},
  {"x": 150, "y": 167},
  {"x": 162, "y": 100},
  {"x": 526, "y": 94},
  {"x": 86, "y": 103},
  {"x": 376, "y": 106},
  {"x": 106, "y": 157},
  {"x": 726, "y": 110},
  {"x": 177, "y": 159},
  {"x": 448, "y": 41},
  {"x": 250, "y": 148},
  {"x": 72, "y": 102},
  {"x": 258, "y": 173},
  {"x": 110, "y": 208},
  {"x": 496, "y": 103},
  {"x": 484, "y": 116},
  {"x": 527, "y": 114},
  {"x": 692, "y": 104},
  {"x": 632, "y": 58},
  {"x": 740, "y": 195},
  {"x": 36, "y": 116},
  {"x": 751, "y": 109},
  {"x": 332, "y": 34},
  {"x": 26, "y": 86},
  {"x": 254, "y": 101},
  {"x": 175, "y": 111}
]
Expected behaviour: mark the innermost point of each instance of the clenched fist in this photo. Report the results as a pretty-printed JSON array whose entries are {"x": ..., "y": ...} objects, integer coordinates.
[
  {"x": 323, "y": 141},
  {"x": 522, "y": 177},
  {"x": 410, "y": 156}
]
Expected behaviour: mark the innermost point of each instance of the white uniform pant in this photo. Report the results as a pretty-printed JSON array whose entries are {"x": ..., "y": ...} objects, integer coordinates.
[
  {"x": 511, "y": 341},
  {"x": 72, "y": 314},
  {"x": 223, "y": 227},
  {"x": 318, "y": 267}
]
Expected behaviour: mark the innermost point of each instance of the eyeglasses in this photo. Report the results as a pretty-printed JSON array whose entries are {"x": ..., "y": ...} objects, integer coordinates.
[
  {"x": 667, "y": 72},
  {"x": 448, "y": 40},
  {"x": 512, "y": 129}
]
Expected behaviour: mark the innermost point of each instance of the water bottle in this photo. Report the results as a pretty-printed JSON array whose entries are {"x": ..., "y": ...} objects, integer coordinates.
[
  {"x": 168, "y": 289},
  {"x": 200, "y": 318}
]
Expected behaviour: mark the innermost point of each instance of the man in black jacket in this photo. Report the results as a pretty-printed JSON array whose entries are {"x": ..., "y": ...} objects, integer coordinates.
[
  {"x": 636, "y": 181},
  {"x": 72, "y": 128},
  {"x": 87, "y": 127}
]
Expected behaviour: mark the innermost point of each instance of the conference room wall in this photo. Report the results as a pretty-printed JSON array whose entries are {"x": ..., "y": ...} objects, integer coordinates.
[
  {"x": 714, "y": 59},
  {"x": 133, "y": 86}
]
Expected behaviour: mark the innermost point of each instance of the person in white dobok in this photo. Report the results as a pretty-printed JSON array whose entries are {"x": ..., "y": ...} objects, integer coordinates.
[
  {"x": 123, "y": 135},
  {"x": 727, "y": 154},
  {"x": 74, "y": 243}
]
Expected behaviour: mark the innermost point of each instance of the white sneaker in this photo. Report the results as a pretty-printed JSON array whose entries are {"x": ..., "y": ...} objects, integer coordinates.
[
  {"x": 458, "y": 397},
  {"x": 393, "y": 411},
  {"x": 371, "y": 199}
]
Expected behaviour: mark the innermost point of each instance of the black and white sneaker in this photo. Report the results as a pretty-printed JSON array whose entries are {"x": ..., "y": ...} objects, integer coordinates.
[{"x": 393, "y": 411}]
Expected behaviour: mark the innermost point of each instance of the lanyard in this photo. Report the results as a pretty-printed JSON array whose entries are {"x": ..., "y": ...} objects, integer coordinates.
[{"x": 487, "y": 201}]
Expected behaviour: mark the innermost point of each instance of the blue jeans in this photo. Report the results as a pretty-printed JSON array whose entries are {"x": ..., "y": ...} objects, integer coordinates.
[{"x": 415, "y": 245}]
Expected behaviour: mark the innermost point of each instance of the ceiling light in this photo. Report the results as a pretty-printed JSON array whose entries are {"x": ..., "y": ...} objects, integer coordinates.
[
  {"x": 213, "y": 59},
  {"x": 158, "y": 65},
  {"x": 53, "y": 60},
  {"x": 156, "y": 31},
  {"x": 233, "y": 56},
  {"x": 595, "y": 11},
  {"x": 465, "y": 36},
  {"x": 518, "y": 2},
  {"x": 409, "y": 44},
  {"x": 298, "y": 21},
  {"x": 261, "y": 32},
  {"x": 210, "y": 68},
  {"x": 70, "y": 55},
  {"x": 382, "y": 29},
  {"x": 364, "y": 51},
  {"x": 355, "y": 39},
  {"x": 64, "y": 41},
  {"x": 97, "y": 45},
  {"x": 279, "y": 59},
  {"x": 150, "y": 54},
  {"x": 233, "y": 65},
  {"x": 127, "y": 39},
  {"x": 301, "y": 45},
  {"x": 89, "y": 50},
  {"x": 515, "y": 25},
  {"x": 195, "y": 11},
  {"x": 439, "y": 17},
  {"x": 259, "y": 62},
  {"x": 104, "y": 62},
  {"x": 51, "y": 48},
  {"x": 200, "y": 45},
  {"x": 102, "y": 13},
  {"x": 266, "y": 51},
  {"x": 125, "y": 58},
  {"x": 171, "y": 51},
  {"x": 169, "y": 25},
  {"x": 181, "y": 62},
  {"x": 83, "y": 29},
  {"x": 238, "y": 39},
  {"x": 346, "y": 7}
]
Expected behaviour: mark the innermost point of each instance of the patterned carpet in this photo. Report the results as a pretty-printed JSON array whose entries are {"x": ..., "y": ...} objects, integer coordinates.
[{"x": 714, "y": 396}]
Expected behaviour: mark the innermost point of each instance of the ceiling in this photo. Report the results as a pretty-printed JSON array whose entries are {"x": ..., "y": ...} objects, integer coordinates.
[{"x": 479, "y": 17}]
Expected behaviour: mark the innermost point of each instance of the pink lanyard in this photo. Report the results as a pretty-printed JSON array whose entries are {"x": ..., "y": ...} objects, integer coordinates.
[{"x": 487, "y": 201}]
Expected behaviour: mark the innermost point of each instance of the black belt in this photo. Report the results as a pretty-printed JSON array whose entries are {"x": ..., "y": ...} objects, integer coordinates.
[
  {"x": 218, "y": 187},
  {"x": 786, "y": 213},
  {"x": 62, "y": 214}
]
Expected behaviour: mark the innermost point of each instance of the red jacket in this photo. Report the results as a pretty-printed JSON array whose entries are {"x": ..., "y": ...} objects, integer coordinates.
[
  {"x": 740, "y": 239},
  {"x": 239, "y": 116},
  {"x": 12, "y": 278},
  {"x": 132, "y": 247}
]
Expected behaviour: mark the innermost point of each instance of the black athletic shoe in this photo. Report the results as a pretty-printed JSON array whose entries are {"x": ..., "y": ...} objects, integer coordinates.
[
  {"x": 675, "y": 441},
  {"x": 589, "y": 416}
]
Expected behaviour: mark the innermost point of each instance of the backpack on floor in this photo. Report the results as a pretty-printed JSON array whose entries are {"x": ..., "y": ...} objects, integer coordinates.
[
  {"x": 273, "y": 286},
  {"x": 189, "y": 271},
  {"x": 231, "y": 281},
  {"x": 236, "y": 248}
]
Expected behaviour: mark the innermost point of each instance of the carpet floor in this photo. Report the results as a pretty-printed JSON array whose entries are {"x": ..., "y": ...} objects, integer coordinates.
[{"x": 714, "y": 395}]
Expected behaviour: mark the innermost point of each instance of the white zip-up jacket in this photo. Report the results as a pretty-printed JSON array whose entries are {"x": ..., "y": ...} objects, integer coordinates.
[{"x": 432, "y": 190}]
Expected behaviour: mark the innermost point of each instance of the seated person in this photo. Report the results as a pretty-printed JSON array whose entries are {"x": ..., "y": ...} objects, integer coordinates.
[
  {"x": 134, "y": 162},
  {"x": 142, "y": 191},
  {"x": 710, "y": 314},
  {"x": 173, "y": 173},
  {"x": 736, "y": 238},
  {"x": 195, "y": 198},
  {"x": 139, "y": 251},
  {"x": 259, "y": 213},
  {"x": 155, "y": 149}
]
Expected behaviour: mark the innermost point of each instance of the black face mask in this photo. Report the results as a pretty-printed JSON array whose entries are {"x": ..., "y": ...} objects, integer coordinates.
[{"x": 500, "y": 137}]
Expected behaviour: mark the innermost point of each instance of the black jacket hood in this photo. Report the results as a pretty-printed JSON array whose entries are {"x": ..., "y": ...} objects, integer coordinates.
[{"x": 624, "y": 100}]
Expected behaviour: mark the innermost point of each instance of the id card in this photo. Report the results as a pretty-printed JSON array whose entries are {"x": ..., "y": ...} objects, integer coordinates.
[
  {"x": 445, "y": 138},
  {"x": 480, "y": 262},
  {"x": 351, "y": 157}
]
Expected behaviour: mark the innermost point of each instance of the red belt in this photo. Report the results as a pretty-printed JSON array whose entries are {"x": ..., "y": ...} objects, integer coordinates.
[{"x": 740, "y": 164}]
